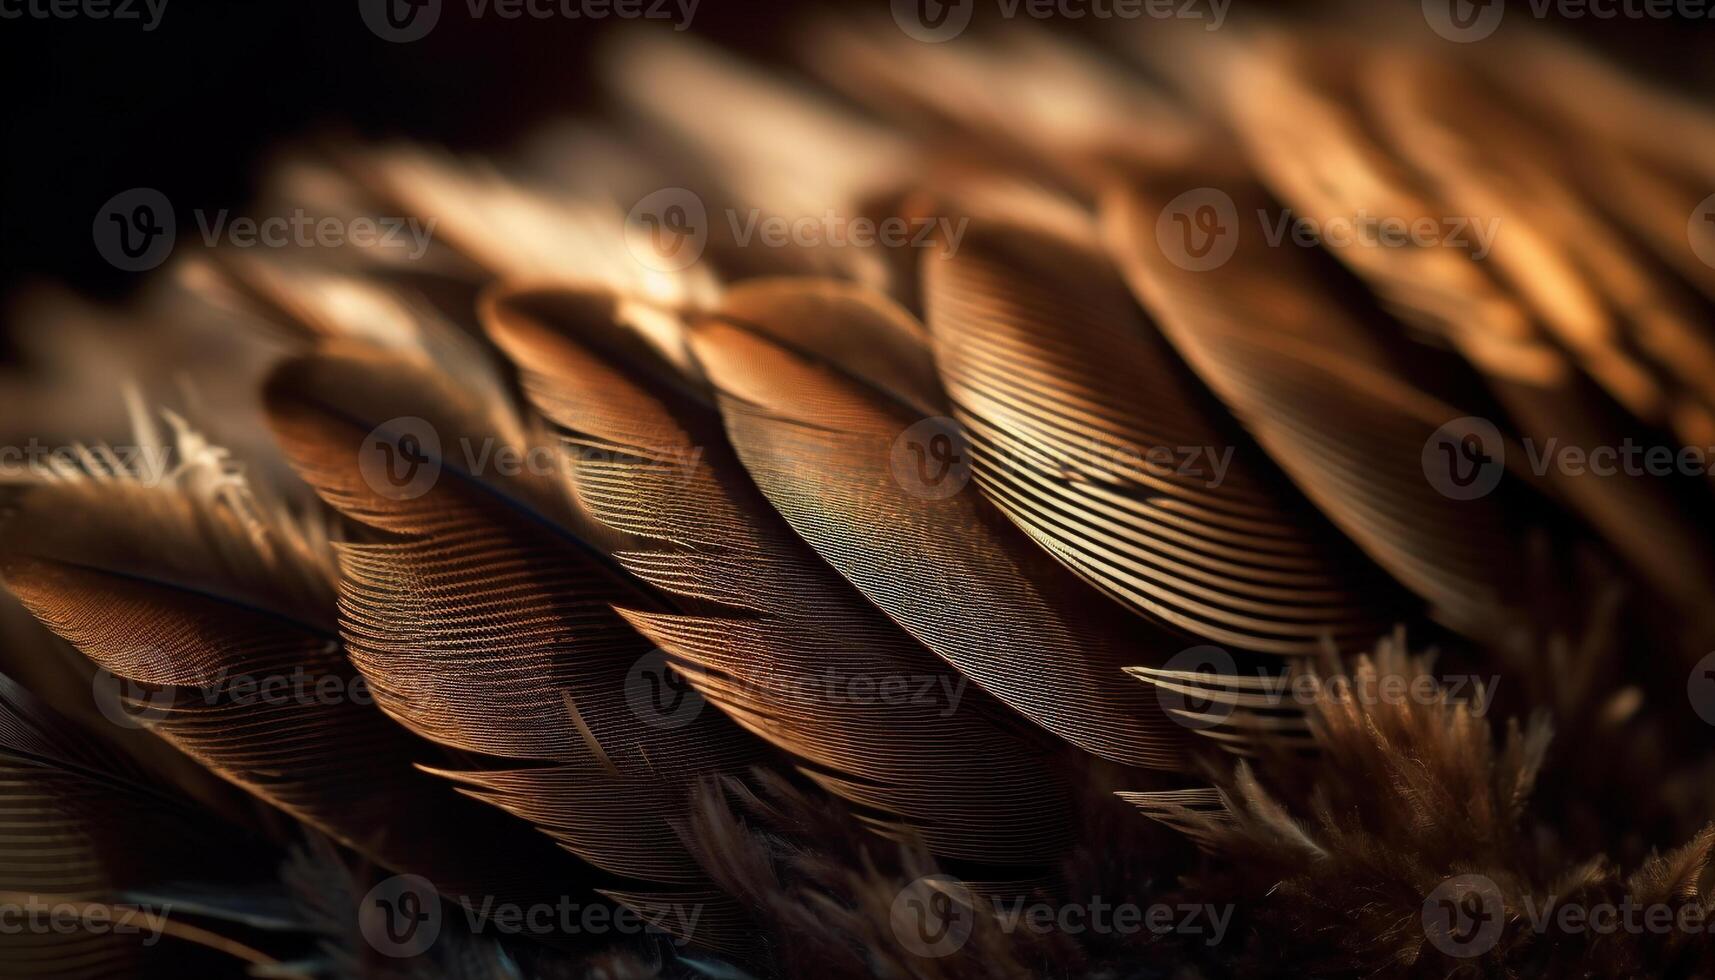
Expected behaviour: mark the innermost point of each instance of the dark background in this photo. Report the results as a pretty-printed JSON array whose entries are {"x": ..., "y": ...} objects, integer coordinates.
[{"x": 95, "y": 107}]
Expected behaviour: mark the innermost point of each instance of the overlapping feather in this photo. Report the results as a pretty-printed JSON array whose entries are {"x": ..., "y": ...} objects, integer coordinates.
[
  {"x": 483, "y": 623},
  {"x": 820, "y": 444},
  {"x": 766, "y": 631}
]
